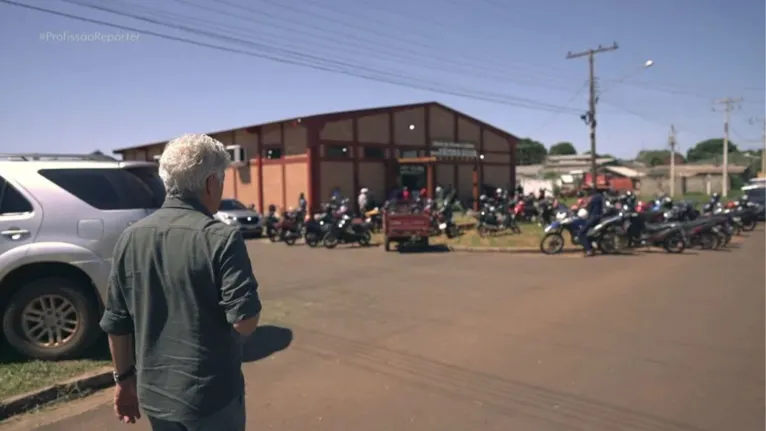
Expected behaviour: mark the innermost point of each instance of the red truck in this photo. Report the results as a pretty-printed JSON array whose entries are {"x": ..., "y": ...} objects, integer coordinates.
[{"x": 400, "y": 225}]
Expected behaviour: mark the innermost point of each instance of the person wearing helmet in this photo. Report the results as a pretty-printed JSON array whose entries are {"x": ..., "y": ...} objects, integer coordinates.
[
  {"x": 595, "y": 210},
  {"x": 362, "y": 200},
  {"x": 667, "y": 203}
]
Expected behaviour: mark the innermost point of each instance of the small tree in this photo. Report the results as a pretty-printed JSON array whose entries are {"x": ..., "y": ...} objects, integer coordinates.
[{"x": 562, "y": 149}]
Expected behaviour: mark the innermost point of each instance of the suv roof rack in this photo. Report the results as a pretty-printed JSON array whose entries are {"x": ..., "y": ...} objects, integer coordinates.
[{"x": 27, "y": 157}]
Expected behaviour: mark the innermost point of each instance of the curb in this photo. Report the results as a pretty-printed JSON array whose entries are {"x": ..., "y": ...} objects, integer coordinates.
[
  {"x": 94, "y": 380},
  {"x": 510, "y": 250}
]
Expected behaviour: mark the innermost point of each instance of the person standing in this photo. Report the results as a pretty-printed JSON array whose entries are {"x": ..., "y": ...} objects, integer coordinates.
[
  {"x": 595, "y": 210},
  {"x": 181, "y": 295}
]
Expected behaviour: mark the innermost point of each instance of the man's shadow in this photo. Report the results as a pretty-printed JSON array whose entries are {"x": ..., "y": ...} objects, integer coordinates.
[{"x": 265, "y": 341}]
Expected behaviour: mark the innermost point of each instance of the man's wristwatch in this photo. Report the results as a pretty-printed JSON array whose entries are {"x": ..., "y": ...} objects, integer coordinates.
[{"x": 121, "y": 377}]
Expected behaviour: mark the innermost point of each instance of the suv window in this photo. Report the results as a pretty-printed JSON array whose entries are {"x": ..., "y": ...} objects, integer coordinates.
[
  {"x": 11, "y": 201},
  {"x": 150, "y": 176},
  {"x": 104, "y": 189}
]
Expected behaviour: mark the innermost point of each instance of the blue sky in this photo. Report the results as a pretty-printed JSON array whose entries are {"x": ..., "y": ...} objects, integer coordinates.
[{"x": 78, "y": 96}]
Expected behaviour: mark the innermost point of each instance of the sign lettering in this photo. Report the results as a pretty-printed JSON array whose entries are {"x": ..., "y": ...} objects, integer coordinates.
[{"x": 453, "y": 149}]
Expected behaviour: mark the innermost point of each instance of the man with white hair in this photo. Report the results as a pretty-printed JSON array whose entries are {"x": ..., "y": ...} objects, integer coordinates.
[{"x": 181, "y": 294}]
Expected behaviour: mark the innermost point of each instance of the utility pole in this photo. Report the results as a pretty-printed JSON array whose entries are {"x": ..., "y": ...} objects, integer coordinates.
[
  {"x": 763, "y": 136},
  {"x": 728, "y": 105},
  {"x": 672, "y": 142},
  {"x": 590, "y": 116}
]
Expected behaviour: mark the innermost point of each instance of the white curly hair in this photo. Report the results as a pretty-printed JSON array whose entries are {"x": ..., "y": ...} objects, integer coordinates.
[{"x": 188, "y": 161}]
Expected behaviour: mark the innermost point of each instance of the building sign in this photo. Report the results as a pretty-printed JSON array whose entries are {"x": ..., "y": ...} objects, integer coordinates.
[
  {"x": 453, "y": 149},
  {"x": 412, "y": 169}
]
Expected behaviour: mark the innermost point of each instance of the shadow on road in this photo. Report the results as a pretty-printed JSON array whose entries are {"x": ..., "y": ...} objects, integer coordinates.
[
  {"x": 265, "y": 341},
  {"x": 416, "y": 249}
]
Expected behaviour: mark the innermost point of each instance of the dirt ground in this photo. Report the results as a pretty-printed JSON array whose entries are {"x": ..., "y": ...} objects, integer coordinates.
[{"x": 449, "y": 341}]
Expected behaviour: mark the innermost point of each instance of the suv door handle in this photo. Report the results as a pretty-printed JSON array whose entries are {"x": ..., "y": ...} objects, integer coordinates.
[{"x": 14, "y": 233}]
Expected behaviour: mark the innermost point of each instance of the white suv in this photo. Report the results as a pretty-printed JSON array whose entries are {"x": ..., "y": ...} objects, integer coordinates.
[{"x": 60, "y": 217}]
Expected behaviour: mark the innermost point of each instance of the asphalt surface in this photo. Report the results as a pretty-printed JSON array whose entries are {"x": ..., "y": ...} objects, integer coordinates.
[{"x": 449, "y": 341}]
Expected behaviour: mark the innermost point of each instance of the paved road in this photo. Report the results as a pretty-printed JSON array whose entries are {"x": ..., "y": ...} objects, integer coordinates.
[{"x": 447, "y": 341}]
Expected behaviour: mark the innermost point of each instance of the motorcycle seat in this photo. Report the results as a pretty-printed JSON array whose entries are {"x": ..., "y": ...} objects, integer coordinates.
[{"x": 657, "y": 227}]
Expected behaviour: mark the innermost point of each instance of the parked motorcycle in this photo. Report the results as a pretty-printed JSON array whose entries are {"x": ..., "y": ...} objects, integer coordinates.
[
  {"x": 288, "y": 229},
  {"x": 607, "y": 236},
  {"x": 491, "y": 221},
  {"x": 670, "y": 236},
  {"x": 316, "y": 228},
  {"x": 343, "y": 231}
]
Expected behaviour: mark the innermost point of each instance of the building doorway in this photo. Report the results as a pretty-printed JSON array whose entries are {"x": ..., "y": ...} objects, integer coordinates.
[{"x": 413, "y": 176}]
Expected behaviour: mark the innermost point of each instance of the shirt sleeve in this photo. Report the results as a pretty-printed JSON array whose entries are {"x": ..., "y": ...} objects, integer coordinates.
[
  {"x": 239, "y": 288},
  {"x": 116, "y": 319}
]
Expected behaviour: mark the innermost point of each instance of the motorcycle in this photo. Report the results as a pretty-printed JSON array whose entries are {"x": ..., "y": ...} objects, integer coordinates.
[
  {"x": 344, "y": 231},
  {"x": 491, "y": 221},
  {"x": 607, "y": 236},
  {"x": 270, "y": 223},
  {"x": 316, "y": 228},
  {"x": 374, "y": 218},
  {"x": 669, "y": 236},
  {"x": 288, "y": 229}
]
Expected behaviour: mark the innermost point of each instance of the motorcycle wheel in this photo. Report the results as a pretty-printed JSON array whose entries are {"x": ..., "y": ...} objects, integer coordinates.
[
  {"x": 364, "y": 239},
  {"x": 749, "y": 225},
  {"x": 610, "y": 242},
  {"x": 290, "y": 239},
  {"x": 330, "y": 241},
  {"x": 312, "y": 239},
  {"x": 452, "y": 231},
  {"x": 708, "y": 241},
  {"x": 674, "y": 244},
  {"x": 273, "y": 235},
  {"x": 483, "y": 231},
  {"x": 552, "y": 243}
]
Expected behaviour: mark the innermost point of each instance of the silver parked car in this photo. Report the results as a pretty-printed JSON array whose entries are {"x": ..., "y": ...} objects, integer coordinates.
[
  {"x": 60, "y": 217},
  {"x": 245, "y": 218}
]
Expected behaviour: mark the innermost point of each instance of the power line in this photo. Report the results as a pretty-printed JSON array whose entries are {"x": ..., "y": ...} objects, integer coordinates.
[
  {"x": 568, "y": 103},
  {"x": 590, "y": 117},
  {"x": 343, "y": 43},
  {"x": 334, "y": 65},
  {"x": 499, "y": 99}
]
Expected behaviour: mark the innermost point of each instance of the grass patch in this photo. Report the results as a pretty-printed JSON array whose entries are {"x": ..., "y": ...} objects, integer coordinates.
[
  {"x": 19, "y": 375},
  {"x": 528, "y": 238}
]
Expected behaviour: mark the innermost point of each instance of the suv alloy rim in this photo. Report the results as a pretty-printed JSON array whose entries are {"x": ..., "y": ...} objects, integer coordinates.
[{"x": 50, "y": 321}]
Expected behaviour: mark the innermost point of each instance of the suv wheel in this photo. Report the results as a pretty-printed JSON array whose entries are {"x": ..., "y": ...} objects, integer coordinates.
[{"x": 51, "y": 318}]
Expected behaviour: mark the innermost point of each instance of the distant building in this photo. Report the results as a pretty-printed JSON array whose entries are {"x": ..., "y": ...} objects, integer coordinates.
[{"x": 354, "y": 149}]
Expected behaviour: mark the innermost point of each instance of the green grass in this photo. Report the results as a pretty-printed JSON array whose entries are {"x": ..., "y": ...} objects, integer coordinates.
[
  {"x": 528, "y": 238},
  {"x": 19, "y": 375}
]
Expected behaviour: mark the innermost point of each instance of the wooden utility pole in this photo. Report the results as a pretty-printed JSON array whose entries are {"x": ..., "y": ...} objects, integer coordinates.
[
  {"x": 672, "y": 142},
  {"x": 590, "y": 116},
  {"x": 763, "y": 136},
  {"x": 728, "y": 105}
]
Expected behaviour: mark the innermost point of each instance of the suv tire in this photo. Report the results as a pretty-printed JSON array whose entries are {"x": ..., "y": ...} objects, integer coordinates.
[{"x": 63, "y": 290}]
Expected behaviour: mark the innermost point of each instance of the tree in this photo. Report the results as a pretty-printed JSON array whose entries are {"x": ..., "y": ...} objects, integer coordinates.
[
  {"x": 709, "y": 149},
  {"x": 562, "y": 149},
  {"x": 530, "y": 152},
  {"x": 657, "y": 157}
]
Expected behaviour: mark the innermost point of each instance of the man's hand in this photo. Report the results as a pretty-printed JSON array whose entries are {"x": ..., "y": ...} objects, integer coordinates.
[{"x": 126, "y": 402}]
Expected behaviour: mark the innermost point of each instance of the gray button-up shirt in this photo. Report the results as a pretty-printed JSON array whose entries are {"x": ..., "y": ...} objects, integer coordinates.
[{"x": 179, "y": 280}]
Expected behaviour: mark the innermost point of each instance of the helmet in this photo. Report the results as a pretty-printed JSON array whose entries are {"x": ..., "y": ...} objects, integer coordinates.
[
  {"x": 272, "y": 208},
  {"x": 483, "y": 197},
  {"x": 364, "y": 191},
  {"x": 499, "y": 191},
  {"x": 439, "y": 189},
  {"x": 582, "y": 213}
]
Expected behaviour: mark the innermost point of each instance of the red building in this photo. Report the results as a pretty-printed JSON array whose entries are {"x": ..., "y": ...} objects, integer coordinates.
[{"x": 354, "y": 149}]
